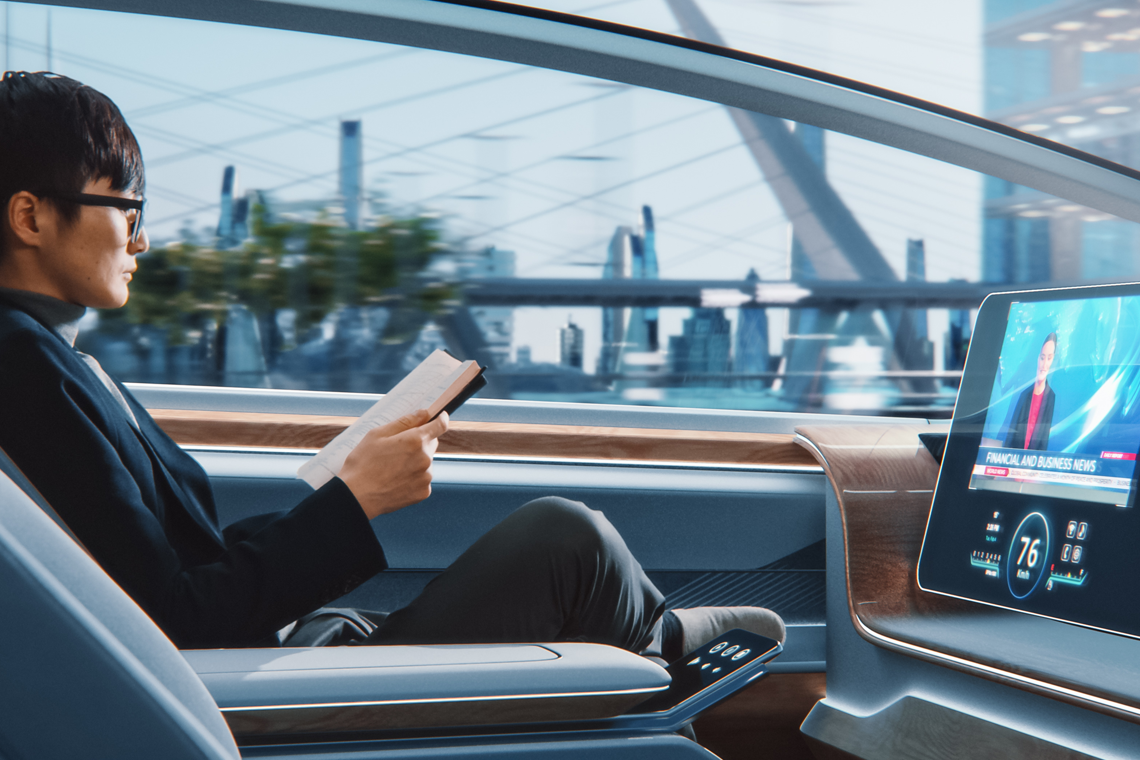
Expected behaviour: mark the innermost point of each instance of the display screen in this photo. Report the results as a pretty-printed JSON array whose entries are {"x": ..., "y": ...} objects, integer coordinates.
[
  {"x": 1034, "y": 508},
  {"x": 1062, "y": 415}
]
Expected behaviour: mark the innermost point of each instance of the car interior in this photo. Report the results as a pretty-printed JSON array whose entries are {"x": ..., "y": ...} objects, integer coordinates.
[{"x": 833, "y": 510}]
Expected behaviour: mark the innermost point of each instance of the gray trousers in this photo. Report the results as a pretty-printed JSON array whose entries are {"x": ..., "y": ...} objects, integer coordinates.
[{"x": 554, "y": 570}]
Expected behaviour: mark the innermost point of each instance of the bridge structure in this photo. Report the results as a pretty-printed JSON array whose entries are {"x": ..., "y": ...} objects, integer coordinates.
[
  {"x": 829, "y": 237},
  {"x": 832, "y": 295}
]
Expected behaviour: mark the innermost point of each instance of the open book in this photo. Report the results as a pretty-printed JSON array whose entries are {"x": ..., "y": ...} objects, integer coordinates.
[{"x": 440, "y": 384}]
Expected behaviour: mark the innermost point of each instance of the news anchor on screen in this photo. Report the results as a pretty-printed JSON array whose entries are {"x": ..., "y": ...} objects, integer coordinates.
[{"x": 1033, "y": 416}]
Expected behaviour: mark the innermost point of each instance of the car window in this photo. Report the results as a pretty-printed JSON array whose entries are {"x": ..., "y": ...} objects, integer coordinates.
[{"x": 324, "y": 212}]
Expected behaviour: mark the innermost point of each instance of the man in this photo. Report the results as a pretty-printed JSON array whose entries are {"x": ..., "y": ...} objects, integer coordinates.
[
  {"x": 71, "y": 178},
  {"x": 1032, "y": 419}
]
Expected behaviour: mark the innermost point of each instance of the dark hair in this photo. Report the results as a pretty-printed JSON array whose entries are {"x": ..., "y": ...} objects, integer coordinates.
[
  {"x": 57, "y": 134},
  {"x": 1050, "y": 337}
]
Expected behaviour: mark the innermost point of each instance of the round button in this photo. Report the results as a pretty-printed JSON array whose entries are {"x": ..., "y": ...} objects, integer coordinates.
[
  {"x": 729, "y": 651},
  {"x": 718, "y": 647},
  {"x": 741, "y": 653}
]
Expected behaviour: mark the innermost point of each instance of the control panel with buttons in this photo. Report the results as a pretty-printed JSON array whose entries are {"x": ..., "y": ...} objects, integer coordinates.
[{"x": 700, "y": 673}]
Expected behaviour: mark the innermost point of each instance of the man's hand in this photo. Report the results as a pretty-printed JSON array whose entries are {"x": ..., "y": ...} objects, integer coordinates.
[{"x": 391, "y": 467}]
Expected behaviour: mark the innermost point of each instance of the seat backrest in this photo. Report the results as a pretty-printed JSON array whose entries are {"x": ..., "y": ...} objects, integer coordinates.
[{"x": 84, "y": 671}]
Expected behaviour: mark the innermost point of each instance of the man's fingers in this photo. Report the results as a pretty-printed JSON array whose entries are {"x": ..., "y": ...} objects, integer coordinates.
[{"x": 407, "y": 422}]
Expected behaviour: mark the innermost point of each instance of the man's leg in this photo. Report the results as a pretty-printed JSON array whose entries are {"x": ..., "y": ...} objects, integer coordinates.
[{"x": 554, "y": 570}]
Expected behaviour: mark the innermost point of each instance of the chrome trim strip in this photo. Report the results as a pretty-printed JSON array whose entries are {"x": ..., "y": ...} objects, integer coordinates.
[
  {"x": 643, "y": 463},
  {"x": 205, "y": 447},
  {"x": 444, "y": 700}
]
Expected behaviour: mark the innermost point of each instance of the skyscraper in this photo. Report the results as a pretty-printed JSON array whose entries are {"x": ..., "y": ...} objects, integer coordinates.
[
  {"x": 632, "y": 254},
  {"x": 649, "y": 272},
  {"x": 751, "y": 355},
  {"x": 912, "y": 343},
  {"x": 571, "y": 339},
  {"x": 703, "y": 345},
  {"x": 615, "y": 319},
  {"x": 233, "y": 220},
  {"x": 352, "y": 173}
]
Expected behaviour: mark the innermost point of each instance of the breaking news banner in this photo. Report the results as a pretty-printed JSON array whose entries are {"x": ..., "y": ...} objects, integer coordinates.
[{"x": 1110, "y": 470}]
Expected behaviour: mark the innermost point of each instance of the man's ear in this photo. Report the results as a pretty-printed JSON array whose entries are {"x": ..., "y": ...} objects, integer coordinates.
[{"x": 24, "y": 212}]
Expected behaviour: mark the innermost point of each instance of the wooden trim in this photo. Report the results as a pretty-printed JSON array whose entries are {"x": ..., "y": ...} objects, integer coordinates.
[
  {"x": 763, "y": 720},
  {"x": 884, "y": 480},
  {"x": 497, "y": 439},
  {"x": 288, "y": 431}
]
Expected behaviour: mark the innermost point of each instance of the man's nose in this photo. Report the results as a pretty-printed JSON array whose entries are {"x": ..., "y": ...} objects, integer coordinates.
[{"x": 140, "y": 245}]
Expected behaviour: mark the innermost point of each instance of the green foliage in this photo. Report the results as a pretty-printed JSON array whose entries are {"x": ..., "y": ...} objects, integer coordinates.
[{"x": 309, "y": 266}]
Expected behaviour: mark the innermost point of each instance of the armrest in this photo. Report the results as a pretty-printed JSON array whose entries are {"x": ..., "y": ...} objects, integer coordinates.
[{"x": 275, "y": 692}]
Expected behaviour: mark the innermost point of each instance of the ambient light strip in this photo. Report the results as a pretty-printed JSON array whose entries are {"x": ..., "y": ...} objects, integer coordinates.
[
  {"x": 644, "y": 463},
  {"x": 445, "y": 700}
]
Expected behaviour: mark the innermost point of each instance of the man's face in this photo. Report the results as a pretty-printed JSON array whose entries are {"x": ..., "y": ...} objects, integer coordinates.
[
  {"x": 90, "y": 260},
  {"x": 1045, "y": 360}
]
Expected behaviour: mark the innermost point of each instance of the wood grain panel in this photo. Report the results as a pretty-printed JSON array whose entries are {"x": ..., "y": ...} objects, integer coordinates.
[
  {"x": 884, "y": 481},
  {"x": 290, "y": 431},
  {"x": 763, "y": 721},
  {"x": 497, "y": 439}
]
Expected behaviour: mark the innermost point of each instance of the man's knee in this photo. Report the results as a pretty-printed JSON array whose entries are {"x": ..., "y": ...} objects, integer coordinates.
[{"x": 567, "y": 524}]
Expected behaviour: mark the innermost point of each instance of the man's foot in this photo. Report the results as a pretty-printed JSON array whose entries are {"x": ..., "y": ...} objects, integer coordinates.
[{"x": 701, "y": 625}]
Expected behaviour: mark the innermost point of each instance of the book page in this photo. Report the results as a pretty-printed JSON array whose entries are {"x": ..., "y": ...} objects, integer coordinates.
[{"x": 420, "y": 389}]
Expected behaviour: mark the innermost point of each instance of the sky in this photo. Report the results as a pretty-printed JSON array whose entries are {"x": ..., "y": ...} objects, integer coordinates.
[{"x": 545, "y": 164}]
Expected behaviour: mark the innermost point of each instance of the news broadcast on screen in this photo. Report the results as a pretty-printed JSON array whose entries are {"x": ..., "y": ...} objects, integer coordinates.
[{"x": 1064, "y": 413}]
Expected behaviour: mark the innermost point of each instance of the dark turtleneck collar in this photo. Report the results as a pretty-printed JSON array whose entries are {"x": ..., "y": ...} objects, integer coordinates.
[{"x": 61, "y": 316}]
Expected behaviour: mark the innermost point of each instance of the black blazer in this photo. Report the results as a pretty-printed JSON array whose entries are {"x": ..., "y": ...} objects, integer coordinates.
[
  {"x": 1019, "y": 423},
  {"x": 145, "y": 510}
]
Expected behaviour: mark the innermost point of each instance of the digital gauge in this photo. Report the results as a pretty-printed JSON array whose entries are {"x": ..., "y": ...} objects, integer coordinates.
[{"x": 1028, "y": 555}]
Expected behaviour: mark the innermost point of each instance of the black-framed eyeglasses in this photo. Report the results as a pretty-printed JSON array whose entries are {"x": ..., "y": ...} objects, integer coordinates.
[{"x": 111, "y": 201}]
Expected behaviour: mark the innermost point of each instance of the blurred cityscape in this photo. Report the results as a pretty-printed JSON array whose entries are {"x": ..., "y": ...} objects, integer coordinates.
[{"x": 349, "y": 292}]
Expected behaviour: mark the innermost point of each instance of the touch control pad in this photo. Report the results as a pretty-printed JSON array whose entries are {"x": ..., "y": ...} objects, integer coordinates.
[{"x": 698, "y": 671}]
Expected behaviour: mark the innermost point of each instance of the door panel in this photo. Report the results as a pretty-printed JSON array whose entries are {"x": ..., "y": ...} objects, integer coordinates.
[{"x": 704, "y": 535}]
